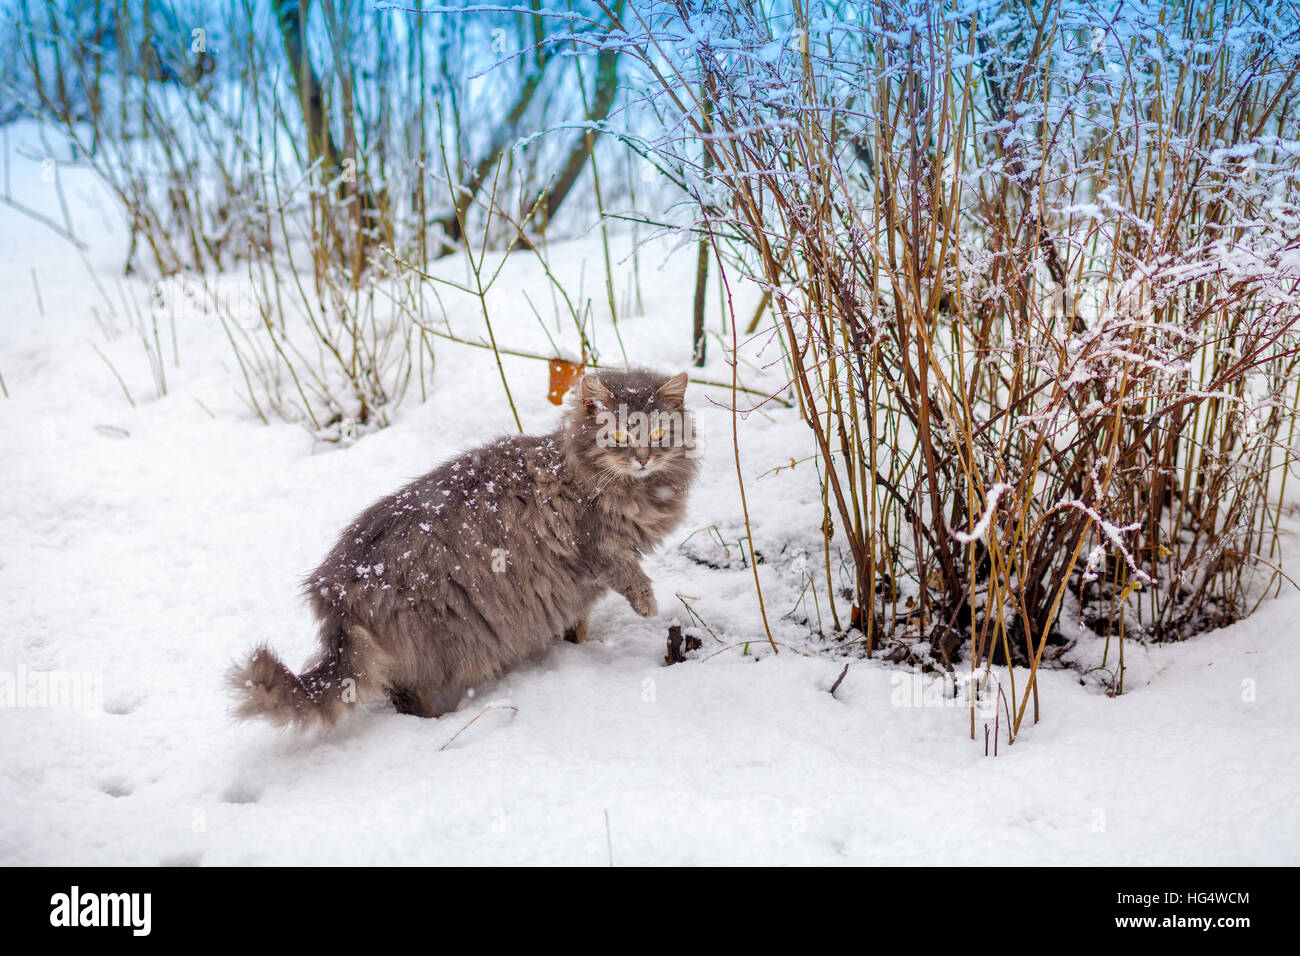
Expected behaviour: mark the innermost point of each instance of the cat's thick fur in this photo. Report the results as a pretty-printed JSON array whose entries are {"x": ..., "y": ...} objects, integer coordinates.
[{"x": 466, "y": 571}]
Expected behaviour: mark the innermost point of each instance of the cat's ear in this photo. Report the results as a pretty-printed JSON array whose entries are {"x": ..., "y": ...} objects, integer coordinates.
[
  {"x": 595, "y": 397},
  {"x": 673, "y": 390}
]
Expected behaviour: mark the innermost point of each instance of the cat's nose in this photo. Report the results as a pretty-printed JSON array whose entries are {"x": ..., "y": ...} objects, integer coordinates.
[{"x": 642, "y": 456}]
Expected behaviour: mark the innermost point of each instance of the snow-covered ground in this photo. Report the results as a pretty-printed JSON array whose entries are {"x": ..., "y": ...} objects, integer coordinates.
[{"x": 148, "y": 547}]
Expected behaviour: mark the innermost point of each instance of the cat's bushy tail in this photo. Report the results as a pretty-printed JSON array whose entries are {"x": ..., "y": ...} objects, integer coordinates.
[{"x": 342, "y": 674}]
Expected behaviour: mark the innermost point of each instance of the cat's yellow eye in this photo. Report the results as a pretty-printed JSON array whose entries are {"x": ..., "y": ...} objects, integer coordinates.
[
  {"x": 620, "y": 437},
  {"x": 657, "y": 434}
]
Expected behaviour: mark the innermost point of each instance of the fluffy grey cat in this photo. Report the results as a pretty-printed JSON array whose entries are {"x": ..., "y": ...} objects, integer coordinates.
[{"x": 466, "y": 571}]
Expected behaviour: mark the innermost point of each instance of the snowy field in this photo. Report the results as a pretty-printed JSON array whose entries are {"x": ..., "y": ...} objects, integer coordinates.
[{"x": 147, "y": 547}]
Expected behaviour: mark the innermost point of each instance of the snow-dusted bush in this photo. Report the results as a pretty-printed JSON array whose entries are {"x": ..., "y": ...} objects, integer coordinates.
[{"x": 1035, "y": 271}]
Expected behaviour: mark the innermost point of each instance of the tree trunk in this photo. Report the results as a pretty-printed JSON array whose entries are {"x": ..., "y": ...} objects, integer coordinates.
[
  {"x": 451, "y": 223},
  {"x": 606, "y": 88},
  {"x": 291, "y": 17}
]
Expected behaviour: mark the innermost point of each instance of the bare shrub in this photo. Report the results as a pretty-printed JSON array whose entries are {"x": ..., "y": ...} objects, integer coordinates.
[
  {"x": 1036, "y": 277},
  {"x": 308, "y": 145}
]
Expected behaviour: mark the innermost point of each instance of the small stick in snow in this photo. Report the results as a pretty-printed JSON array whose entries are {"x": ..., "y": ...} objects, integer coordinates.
[
  {"x": 839, "y": 680},
  {"x": 476, "y": 717},
  {"x": 125, "y": 390}
]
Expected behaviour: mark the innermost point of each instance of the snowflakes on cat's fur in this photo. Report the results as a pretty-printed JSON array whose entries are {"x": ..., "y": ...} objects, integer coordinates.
[{"x": 409, "y": 603}]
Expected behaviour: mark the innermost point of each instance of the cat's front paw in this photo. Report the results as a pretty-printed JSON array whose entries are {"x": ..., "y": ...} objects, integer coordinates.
[
  {"x": 577, "y": 634},
  {"x": 643, "y": 602}
]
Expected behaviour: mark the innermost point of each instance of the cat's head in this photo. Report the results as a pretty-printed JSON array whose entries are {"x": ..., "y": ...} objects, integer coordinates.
[{"x": 633, "y": 424}]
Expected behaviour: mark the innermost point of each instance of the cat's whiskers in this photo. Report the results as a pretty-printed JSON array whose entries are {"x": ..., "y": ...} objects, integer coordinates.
[{"x": 609, "y": 474}]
